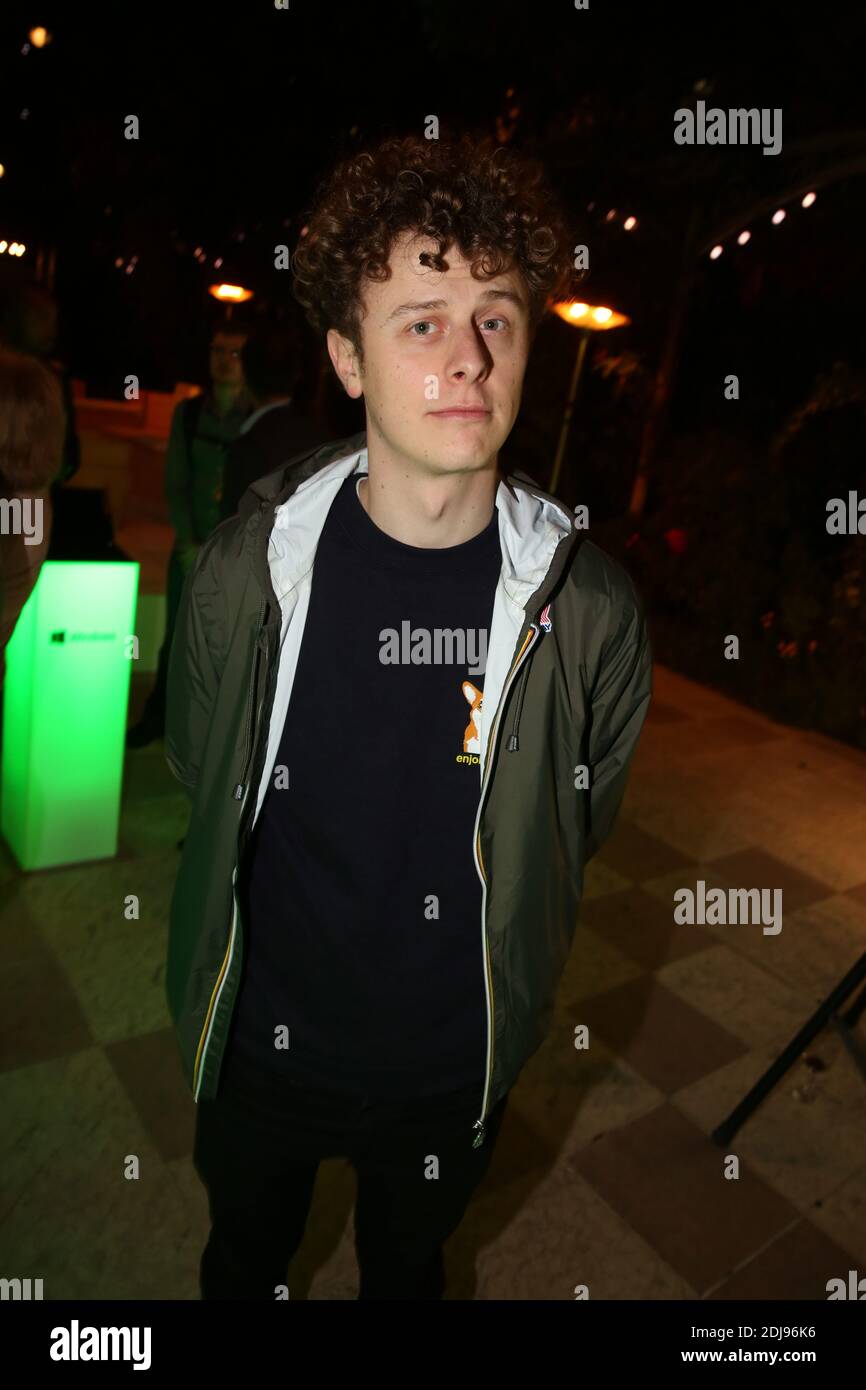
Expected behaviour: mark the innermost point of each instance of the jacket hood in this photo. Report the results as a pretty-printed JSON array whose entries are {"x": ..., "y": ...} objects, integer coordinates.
[{"x": 537, "y": 531}]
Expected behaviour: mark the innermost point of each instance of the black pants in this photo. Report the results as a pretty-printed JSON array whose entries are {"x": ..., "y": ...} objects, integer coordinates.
[{"x": 258, "y": 1150}]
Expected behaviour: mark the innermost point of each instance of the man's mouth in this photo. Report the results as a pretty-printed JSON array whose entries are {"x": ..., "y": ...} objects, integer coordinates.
[{"x": 462, "y": 413}]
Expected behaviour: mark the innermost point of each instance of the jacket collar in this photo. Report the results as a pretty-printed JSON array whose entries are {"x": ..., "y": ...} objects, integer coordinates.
[{"x": 288, "y": 509}]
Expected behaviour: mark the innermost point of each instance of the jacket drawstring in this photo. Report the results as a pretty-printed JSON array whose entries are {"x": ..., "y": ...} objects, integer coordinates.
[{"x": 513, "y": 745}]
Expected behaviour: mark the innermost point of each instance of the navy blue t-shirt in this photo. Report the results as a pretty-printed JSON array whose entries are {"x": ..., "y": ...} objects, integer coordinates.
[{"x": 360, "y": 898}]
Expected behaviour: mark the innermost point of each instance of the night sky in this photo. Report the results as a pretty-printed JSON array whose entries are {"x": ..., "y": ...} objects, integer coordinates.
[{"x": 243, "y": 107}]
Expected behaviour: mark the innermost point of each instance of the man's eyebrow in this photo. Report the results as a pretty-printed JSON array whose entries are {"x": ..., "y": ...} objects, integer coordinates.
[{"x": 429, "y": 305}]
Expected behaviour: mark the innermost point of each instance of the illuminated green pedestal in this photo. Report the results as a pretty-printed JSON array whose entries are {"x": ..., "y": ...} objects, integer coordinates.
[{"x": 68, "y": 669}]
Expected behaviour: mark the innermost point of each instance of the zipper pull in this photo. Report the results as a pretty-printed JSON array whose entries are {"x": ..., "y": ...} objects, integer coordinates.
[
  {"x": 238, "y": 791},
  {"x": 479, "y": 1138}
]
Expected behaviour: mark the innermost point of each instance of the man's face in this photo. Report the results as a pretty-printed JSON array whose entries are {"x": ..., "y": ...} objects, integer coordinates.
[
  {"x": 435, "y": 341},
  {"x": 225, "y": 359}
]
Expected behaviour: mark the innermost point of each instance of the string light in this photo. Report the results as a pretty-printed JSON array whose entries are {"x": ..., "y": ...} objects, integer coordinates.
[
  {"x": 630, "y": 223},
  {"x": 778, "y": 217}
]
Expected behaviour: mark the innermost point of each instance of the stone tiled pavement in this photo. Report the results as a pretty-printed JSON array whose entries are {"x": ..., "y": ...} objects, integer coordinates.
[{"x": 604, "y": 1174}]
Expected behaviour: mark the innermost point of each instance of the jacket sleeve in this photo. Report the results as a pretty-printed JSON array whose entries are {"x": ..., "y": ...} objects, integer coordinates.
[
  {"x": 178, "y": 480},
  {"x": 194, "y": 669},
  {"x": 620, "y": 700}
]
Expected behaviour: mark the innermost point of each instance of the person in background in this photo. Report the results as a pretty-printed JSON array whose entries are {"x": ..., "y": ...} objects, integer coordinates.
[
  {"x": 276, "y": 430},
  {"x": 29, "y": 324},
  {"x": 201, "y": 431},
  {"x": 32, "y": 426}
]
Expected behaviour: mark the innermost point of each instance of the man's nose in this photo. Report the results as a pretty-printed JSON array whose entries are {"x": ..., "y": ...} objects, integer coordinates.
[{"x": 469, "y": 356}]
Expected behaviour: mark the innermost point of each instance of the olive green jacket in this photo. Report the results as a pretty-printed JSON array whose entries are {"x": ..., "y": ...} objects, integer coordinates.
[{"x": 567, "y": 686}]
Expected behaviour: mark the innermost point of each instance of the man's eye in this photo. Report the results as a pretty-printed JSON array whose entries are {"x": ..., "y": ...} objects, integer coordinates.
[
  {"x": 486, "y": 321},
  {"x": 421, "y": 324}
]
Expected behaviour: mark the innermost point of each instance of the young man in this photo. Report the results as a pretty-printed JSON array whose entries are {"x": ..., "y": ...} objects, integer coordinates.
[{"x": 404, "y": 698}]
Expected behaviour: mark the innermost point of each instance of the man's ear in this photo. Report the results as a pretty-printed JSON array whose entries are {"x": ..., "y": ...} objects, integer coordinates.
[{"x": 344, "y": 360}]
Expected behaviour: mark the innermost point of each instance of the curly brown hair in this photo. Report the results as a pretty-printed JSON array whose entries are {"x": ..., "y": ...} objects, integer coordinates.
[{"x": 494, "y": 203}]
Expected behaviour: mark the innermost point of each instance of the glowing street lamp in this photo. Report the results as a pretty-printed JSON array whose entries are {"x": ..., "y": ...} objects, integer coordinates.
[
  {"x": 230, "y": 295},
  {"x": 588, "y": 318},
  {"x": 592, "y": 316}
]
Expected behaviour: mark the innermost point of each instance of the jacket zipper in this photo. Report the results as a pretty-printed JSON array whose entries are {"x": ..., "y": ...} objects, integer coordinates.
[
  {"x": 238, "y": 794},
  {"x": 239, "y": 789},
  {"x": 528, "y": 643}
]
